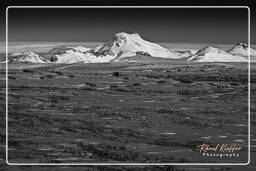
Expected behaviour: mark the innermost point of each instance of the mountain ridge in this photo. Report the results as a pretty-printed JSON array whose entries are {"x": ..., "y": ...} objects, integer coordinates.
[{"x": 124, "y": 45}]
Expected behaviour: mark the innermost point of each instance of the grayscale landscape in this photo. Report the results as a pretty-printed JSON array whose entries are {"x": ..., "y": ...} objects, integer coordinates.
[{"x": 124, "y": 86}]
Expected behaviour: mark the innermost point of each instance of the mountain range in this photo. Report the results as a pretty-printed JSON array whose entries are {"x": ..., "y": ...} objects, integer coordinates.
[{"x": 124, "y": 47}]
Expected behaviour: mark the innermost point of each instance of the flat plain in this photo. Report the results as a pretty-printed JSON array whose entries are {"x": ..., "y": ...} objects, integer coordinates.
[{"x": 153, "y": 112}]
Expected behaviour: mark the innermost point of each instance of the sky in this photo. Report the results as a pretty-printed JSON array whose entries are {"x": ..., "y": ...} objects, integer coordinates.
[{"x": 212, "y": 25}]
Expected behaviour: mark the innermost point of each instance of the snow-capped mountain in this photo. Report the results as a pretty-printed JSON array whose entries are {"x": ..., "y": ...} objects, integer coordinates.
[
  {"x": 74, "y": 56},
  {"x": 63, "y": 54},
  {"x": 212, "y": 54},
  {"x": 28, "y": 57},
  {"x": 122, "y": 45},
  {"x": 128, "y": 45},
  {"x": 241, "y": 49},
  {"x": 78, "y": 54}
]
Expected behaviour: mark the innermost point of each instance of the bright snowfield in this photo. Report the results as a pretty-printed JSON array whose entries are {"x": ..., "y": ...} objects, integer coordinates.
[
  {"x": 29, "y": 57},
  {"x": 132, "y": 48},
  {"x": 212, "y": 54}
]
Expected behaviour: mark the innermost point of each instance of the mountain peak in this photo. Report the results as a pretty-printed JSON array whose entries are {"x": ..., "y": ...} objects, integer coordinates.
[
  {"x": 208, "y": 49},
  {"x": 241, "y": 49},
  {"x": 123, "y": 34},
  {"x": 29, "y": 57},
  {"x": 212, "y": 54},
  {"x": 241, "y": 45},
  {"x": 124, "y": 37},
  {"x": 127, "y": 45}
]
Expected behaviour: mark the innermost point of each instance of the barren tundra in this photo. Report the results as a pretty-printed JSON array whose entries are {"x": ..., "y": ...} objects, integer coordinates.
[{"x": 148, "y": 112}]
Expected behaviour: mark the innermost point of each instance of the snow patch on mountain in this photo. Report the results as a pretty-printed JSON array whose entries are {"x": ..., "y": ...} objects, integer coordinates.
[{"x": 212, "y": 54}]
